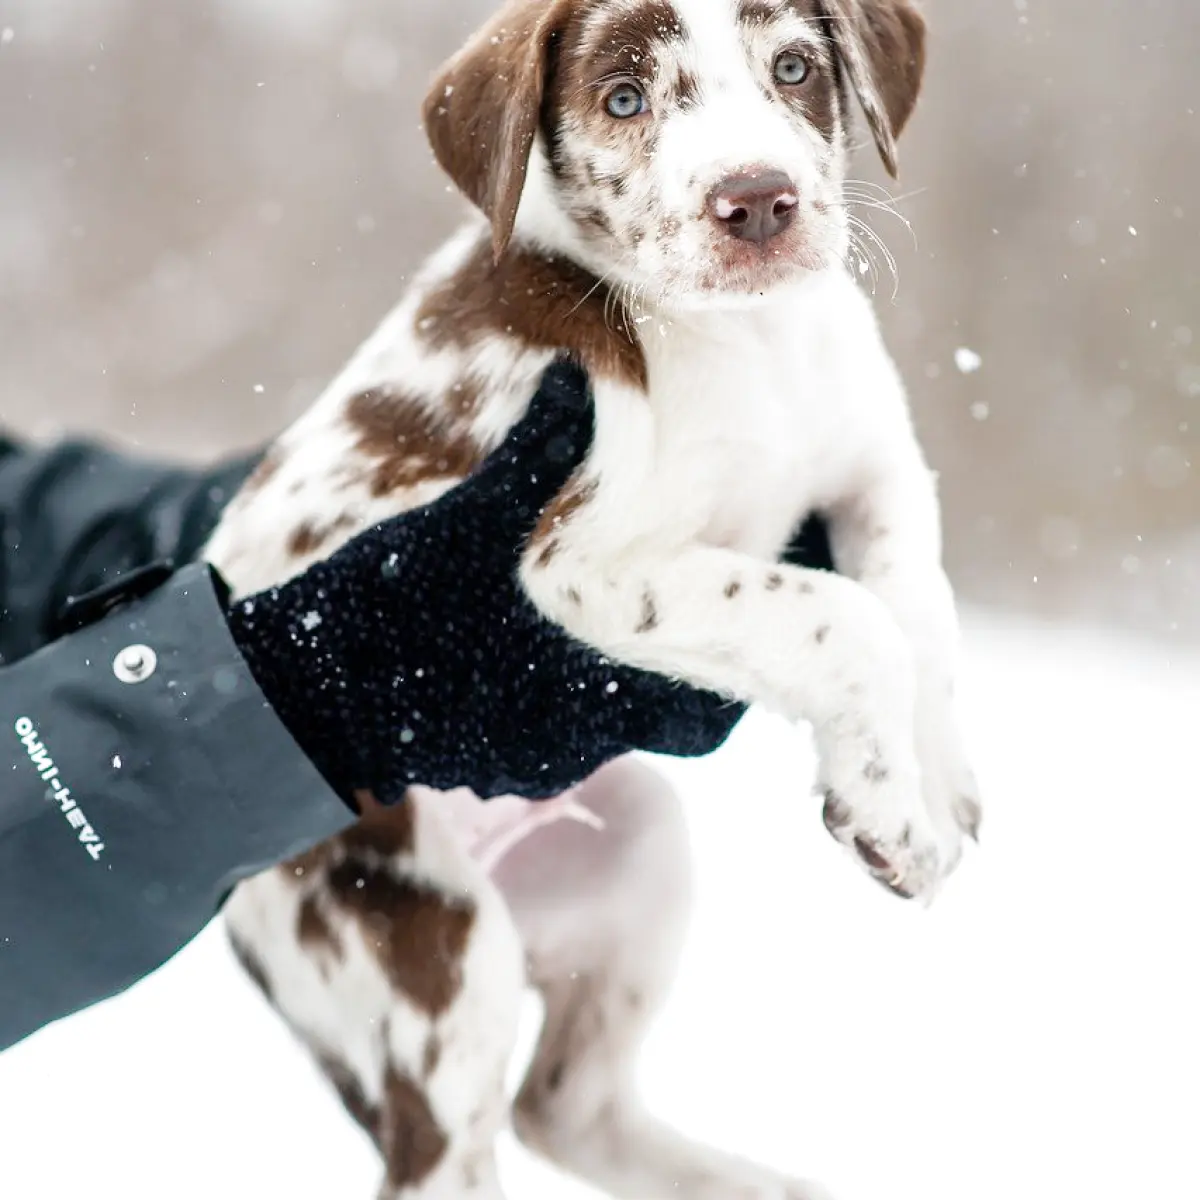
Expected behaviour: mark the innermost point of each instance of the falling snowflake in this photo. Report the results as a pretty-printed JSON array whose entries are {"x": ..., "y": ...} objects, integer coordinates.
[{"x": 967, "y": 361}]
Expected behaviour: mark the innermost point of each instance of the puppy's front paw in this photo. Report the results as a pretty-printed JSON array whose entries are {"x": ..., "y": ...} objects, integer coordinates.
[{"x": 877, "y": 812}]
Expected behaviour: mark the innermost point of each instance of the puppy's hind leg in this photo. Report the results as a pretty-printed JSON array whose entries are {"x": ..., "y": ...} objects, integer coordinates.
[
  {"x": 603, "y": 914},
  {"x": 394, "y": 958}
]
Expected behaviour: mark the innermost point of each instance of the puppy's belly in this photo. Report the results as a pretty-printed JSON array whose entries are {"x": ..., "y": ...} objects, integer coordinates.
[{"x": 489, "y": 830}]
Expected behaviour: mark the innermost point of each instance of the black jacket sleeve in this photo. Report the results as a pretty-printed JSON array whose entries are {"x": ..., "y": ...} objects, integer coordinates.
[
  {"x": 75, "y": 517},
  {"x": 144, "y": 775},
  {"x": 141, "y": 771}
]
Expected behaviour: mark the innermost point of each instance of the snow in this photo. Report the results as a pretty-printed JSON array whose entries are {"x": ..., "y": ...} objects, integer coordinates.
[
  {"x": 967, "y": 360},
  {"x": 1032, "y": 1035}
]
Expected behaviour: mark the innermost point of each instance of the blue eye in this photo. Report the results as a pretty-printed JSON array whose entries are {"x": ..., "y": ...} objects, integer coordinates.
[
  {"x": 625, "y": 101},
  {"x": 791, "y": 69}
]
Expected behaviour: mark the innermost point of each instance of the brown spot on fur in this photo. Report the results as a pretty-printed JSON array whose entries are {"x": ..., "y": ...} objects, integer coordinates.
[
  {"x": 686, "y": 89},
  {"x": 546, "y": 303},
  {"x": 821, "y": 634},
  {"x": 774, "y": 581},
  {"x": 432, "y": 1055},
  {"x": 267, "y": 469},
  {"x": 409, "y": 441},
  {"x": 732, "y": 588},
  {"x": 576, "y": 495},
  {"x": 352, "y": 1096},
  {"x": 316, "y": 859},
  {"x": 650, "y": 618},
  {"x": 384, "y": 831},
  {"x": 304, "y": 539},
  {"x": 758, "y": 12},
  {"x": 308, "y": 537},
  {"x": 411, "y": 1141},
  {"x": 575, "y": 596},
  {"x": 668, "y": 228},
  {"x": 594, "y": 218},
  {"x": 249, "y": 963},
  {"x": 623, "y": 41},
  {"x": 313, "y": 929},
  {"x": 418, "y": 933},
  {"x": 875, "y": 771}
]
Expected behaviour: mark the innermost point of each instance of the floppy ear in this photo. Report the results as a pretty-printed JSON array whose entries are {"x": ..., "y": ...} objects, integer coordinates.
[
  {"x": 882, "y": 43},
  {"x": 482, "y": 110}
]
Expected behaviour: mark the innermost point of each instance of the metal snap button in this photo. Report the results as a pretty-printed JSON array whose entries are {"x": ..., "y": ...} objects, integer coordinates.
[{"x": 135, "y": 664}]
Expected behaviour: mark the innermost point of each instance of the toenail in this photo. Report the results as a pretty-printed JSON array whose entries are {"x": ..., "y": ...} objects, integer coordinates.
[{"x": 871, "y": 856}]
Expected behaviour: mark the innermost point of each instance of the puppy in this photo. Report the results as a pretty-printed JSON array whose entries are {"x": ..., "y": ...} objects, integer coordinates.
[{"x": 659, "y": 189}]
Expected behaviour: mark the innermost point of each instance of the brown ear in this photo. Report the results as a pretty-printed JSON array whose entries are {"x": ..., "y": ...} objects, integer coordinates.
[
  {"x": 481, "y": 113},
  {"x": 882, "y": 43}
]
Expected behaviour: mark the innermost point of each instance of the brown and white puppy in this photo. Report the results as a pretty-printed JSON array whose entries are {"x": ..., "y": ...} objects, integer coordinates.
[{"x": 660, "y": 192}]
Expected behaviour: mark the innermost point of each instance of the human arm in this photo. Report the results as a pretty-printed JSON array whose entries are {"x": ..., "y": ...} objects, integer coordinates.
[{"x": 216, "y": 764}]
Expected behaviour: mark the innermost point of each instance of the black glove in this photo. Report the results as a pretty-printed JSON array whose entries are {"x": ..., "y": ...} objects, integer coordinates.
[{"x": 412, "y": 655}]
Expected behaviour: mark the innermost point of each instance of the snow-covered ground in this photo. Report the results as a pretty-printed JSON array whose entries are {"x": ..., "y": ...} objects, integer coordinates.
[{"x": 1032, "y": 1036}]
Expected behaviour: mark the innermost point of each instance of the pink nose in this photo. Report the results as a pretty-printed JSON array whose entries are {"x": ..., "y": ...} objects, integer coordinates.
[{"x": 755, "y": 206}]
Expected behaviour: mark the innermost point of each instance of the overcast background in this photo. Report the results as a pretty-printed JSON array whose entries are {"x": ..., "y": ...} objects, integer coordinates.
[{"x": 205, "y": 205}]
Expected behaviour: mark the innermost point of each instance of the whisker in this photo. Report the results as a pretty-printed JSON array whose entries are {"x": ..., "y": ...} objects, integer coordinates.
[{"x": 873, "y": 237}]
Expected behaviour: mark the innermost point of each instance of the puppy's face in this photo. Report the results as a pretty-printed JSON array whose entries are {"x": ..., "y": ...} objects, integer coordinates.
[
  {"x": 697, "y": 146},
  {"x": 692, "y": 150}
]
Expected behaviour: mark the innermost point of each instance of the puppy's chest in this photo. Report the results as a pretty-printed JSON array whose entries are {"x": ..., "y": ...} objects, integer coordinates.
[{"x": 751, "y": 436}]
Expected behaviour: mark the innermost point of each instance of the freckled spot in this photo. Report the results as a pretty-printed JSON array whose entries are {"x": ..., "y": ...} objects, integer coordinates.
[
  {"x": 821, "y": 634},
  {"x": 732, "y": 588},
  {"x": 304, "y": 539},
  {"x": 875, "y": 771},
  {"x": 432, "y": 1055},
  {"x": 267, "y": 469},
  {"x": 805, "y": 588},
  {"x": 574, "y": 596},
  {"x": 650, "y": 617},
  {"x": 774, "y": 581},
  {"x": 594, "y": 218},
  {"x": 566, "y": 505}
]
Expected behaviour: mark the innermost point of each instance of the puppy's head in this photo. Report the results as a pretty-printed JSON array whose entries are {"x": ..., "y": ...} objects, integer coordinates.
[{"x": 691, "y": 148}]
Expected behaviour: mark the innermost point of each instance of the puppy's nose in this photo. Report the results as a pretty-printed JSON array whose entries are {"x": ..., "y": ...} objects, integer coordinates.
[{"x": 755, "y": 206}]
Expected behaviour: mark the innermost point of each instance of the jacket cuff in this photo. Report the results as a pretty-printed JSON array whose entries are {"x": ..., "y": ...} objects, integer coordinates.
[{"x": 148, "y": 776}]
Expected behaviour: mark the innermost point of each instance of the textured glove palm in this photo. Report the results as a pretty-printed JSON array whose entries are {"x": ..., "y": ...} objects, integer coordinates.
[{"x": 412, "y": 655}]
